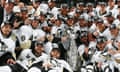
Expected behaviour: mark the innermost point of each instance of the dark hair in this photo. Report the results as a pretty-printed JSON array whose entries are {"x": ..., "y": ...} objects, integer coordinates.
[{"x": 56, "y": 49}]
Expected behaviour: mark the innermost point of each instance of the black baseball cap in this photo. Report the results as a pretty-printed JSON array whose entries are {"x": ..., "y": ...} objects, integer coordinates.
[
  {"x": 101, "y": 39},
  {"x": 24, "y": 9},
  {"x": 10, "y": 1},
  {"x": 113, "y": 26},
  {"x": 100, "y": 20},
  {"x": 89, "y": 4},
  {"x": 37, "y": 43},
  {"x": 80, "y": 4},
  {"x": 55, "y": 45},
  {"x": 102, "y": 3},
  {"x": 64, "y": 5},
  {"x": 7, "y": 23}
]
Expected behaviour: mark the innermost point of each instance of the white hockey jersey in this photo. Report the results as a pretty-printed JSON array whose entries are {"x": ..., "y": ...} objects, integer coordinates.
[
  {"x": 57, "y": 66},
  {"x": 37, "y": 34},
  {"x": 9, "y": 42},
  {"x": 29, "y": 58},
  {"x": 25, "y": 32}
]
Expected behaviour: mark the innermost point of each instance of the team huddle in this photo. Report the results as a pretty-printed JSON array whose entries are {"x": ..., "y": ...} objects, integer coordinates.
[{"x": 43, "y": 36}]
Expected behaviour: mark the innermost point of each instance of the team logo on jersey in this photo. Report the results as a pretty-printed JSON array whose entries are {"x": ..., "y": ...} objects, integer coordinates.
[
  {"x": 28, "y": 56},
  {"x": 22, "y": 38},
  {"x": 3, "y": 48},
  {"x": 35, "y": 37}
]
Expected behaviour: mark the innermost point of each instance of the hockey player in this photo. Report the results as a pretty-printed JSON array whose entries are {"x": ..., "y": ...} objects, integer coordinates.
[
  {"x": 58, "y": 28},
  {"x": 100, "y": 28},
  {"x": 112, "y": 8},
  {"x": 85, "y": 48},
  {"x": 43, "y": 21},
  {"x": 6, "y": 12},
  {"x": 70, "y": 44},
  {"x": 63, "y": 13},
  {"x": 111, "y": 33},
  {"x": 24, "y": 13},
  {"x": 80, "y": 7},
  {"x": 52, "y": 64},
  {"x": 101, "y": 10},
  {"x": 43, "y": 7},
  {"x": 90, "y": 10},
  {"x": 10, "y": 42},
  {"x": 117, "y": 4},
  {"x": 115, "y": 45},
  {"x": 117, "y": 21},
  {"x": 58, "y": 32},
  {"x": 83, "y": 43},
  {"x": 26, "y": 58},
  {"x": 53, "y": 10},
  {"x": 24, "y": 33},
  {"x": 101, "y": 57},
  {"x": 37, "y": 34},
  {"x": 115, "y": 53},
  {"x": 35, "y": 54}
]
